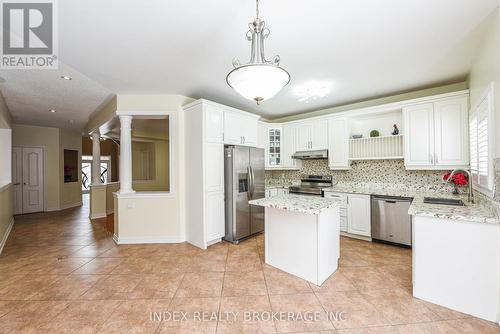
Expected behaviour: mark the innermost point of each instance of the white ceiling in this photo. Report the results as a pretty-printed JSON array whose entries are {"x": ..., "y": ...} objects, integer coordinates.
[
  {"x": 363, "y": 48},
  {"x": 31, "y": 94}
]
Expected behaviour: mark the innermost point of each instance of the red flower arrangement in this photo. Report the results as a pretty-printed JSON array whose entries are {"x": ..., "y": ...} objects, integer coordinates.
[{"x": 460, "y": 179}]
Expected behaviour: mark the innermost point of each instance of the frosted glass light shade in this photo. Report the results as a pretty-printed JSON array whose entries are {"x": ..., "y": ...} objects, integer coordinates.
[{"x": 258, "y": 82}]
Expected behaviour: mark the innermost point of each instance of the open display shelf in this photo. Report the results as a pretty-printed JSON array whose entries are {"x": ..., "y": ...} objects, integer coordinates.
[{"x": 376, "y": 148}]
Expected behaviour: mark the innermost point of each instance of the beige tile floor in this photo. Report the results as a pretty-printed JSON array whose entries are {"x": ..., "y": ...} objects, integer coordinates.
[{"x": 60, "y": 273}]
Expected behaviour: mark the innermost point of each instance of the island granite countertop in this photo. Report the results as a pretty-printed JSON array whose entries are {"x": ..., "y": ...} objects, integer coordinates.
[
  {"x": 471, "y": 212},
  {"x": 312, "y": 205}
]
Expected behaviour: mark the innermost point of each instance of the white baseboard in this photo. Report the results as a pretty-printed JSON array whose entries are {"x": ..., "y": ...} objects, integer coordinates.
[
  {"x": 110, "y": 211},
  {"x": 71, "y": 205},
  {"x": 97, "y": 215},
  {"x": 355, "y": 236},
  {"x": 149, "y": 240},
  {"x": 52, "y": 209},
  {"x": 6, "y": 235}
]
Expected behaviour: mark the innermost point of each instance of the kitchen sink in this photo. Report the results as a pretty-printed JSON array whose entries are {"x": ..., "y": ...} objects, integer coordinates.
[{"x": 444, "y": 201}]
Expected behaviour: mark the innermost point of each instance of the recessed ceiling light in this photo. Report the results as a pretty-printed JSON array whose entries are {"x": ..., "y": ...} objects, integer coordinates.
[
  {"x": 65, "y": 77},
  {"x": 312, "y": 90},
  {"x": 52, "y": 110}
]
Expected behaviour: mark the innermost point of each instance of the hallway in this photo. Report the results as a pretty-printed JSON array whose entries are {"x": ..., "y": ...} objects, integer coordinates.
[{"x": 60, "y": 273}]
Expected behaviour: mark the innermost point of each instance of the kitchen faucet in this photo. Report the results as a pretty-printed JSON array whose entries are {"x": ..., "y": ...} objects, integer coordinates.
[{"x": 470, "y": 196}]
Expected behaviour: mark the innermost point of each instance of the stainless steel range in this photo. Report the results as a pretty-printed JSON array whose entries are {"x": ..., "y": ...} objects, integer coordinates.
[{"x": 312, "y": 185}]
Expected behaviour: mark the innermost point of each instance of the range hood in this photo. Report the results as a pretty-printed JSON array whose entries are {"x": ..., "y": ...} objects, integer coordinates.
[{"x": 306, "y": 155}]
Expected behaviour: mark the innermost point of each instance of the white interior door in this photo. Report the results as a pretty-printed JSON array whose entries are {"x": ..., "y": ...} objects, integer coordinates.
[
  {"x": 17, "y": 179},
  {"x": 32, "y": 179}
]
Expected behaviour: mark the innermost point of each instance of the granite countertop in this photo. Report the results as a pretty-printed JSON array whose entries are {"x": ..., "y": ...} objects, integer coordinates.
[
  {"x": 312, "y": 205},
  {"x": 471, "y": 212}
]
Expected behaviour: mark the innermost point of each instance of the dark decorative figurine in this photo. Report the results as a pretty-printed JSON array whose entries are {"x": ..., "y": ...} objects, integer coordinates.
[{"x": 396, "y": 130}]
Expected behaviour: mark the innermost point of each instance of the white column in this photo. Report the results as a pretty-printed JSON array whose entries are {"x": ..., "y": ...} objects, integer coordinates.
[
  {"x": 126, "y": 155},
  {"x": 96, "y": 157}
]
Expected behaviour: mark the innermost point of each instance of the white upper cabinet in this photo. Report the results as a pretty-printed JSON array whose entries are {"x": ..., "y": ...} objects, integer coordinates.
[
  {"x": 436, "y": 134},
  {"x": 319, "y": 135},
  {"x": 312, "y": 135},
  {"x": 262, "y": 135},
  {"x": 419, "y": 141},
  {"x": 451, "y": 135},
  {"x": 240, "y": 128},
  {"x": 338, "y": 146},
  {"x": 289, "y": 146},
  {"x": 214, "y": 123},
  {"x": 303, "y": 140}
]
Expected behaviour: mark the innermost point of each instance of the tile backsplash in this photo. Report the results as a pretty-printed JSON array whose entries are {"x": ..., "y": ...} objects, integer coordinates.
[{"x": 371, "y": 173}]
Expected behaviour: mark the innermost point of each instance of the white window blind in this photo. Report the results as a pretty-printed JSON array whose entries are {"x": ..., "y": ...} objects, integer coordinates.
[{"x": 481, "y": 142}]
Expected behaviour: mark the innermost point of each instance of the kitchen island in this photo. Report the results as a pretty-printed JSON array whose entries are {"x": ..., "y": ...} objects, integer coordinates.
[{"x": 302, "y": 235}]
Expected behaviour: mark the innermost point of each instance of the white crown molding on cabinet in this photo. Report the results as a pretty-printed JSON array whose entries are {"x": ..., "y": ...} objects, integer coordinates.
[{"x": 382, "y": 108}]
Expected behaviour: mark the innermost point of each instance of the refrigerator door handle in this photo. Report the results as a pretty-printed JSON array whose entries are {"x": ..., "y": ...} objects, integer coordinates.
[
  {"x": 253, "y": 182},
  {"x": 250, "y": 182}
]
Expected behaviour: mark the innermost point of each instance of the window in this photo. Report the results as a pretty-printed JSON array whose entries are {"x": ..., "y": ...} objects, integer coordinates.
[
  {"x": 5, "y": 157},
  {"x": 481, "y": 144},
  {"x": 87, "y": 171}
]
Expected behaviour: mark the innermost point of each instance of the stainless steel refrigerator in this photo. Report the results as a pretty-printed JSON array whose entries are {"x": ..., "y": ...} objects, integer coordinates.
[{"x": 243, "y": 181}]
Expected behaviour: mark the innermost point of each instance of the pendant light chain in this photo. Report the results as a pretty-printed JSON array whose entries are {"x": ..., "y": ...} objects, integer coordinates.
[{"x": 257, "y": 8}]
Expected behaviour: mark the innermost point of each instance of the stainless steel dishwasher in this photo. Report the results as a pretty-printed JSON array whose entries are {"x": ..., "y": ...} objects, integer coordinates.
[{"x": 391, "y": 222}]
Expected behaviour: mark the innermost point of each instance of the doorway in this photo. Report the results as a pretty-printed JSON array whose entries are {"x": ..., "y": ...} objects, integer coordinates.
[{"x": 28, "y": 179}]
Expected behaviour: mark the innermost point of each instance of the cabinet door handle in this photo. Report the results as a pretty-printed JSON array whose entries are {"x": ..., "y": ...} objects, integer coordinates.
[
  {"x": 436, "y": 159},
  {"x": 431, "y": 160}
]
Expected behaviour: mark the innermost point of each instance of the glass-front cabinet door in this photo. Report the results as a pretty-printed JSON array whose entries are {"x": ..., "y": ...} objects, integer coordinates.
[{"x": 274, "y": 147}]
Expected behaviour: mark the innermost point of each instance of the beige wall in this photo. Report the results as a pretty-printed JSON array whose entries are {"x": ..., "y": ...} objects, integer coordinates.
[
  {"x": 164, "y": 216},
  {"x": 6, "y": 211},
  {"x": 103, "y": 114},
  {"x": 58, "y": 195},
  {"x": 6, "y": 204},
  {"x": 5, "y": 117},
  {"x": 48, "y": 138},
  {"x": 71, "y": 193},
  {"x": 159, "y": 166},
  {"x": 486, "y": 69}
]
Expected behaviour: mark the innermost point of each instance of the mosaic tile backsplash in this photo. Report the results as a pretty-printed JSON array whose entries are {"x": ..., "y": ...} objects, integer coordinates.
[{"x": 372, "y": 174}]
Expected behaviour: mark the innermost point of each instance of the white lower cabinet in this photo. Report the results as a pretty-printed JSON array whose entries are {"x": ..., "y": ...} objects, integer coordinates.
[
  {"x": 214, "y": 218},
  {"x": 359, "y": 214},
  {"x": 355, "y": 213}
]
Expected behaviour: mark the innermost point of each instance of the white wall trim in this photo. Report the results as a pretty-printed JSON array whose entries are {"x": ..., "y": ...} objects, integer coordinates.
[
  {"x": 5, "y": 187},
  {"x": 71, "y": 205},
  {"x": 144, "y": 195},
  {"x": 110, "y": 211},
  {"x": 49, "y": 209},
  {"x": 149, "y": 240},
  {"x": 98, "y": 216},
  {"x": 6, "y": 235}
]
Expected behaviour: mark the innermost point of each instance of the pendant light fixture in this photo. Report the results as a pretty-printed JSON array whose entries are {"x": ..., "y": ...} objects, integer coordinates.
[{"x": 259, "y": 79}]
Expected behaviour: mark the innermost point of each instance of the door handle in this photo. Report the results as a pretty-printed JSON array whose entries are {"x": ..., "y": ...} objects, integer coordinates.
[{"x": 25, "y": 183}]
